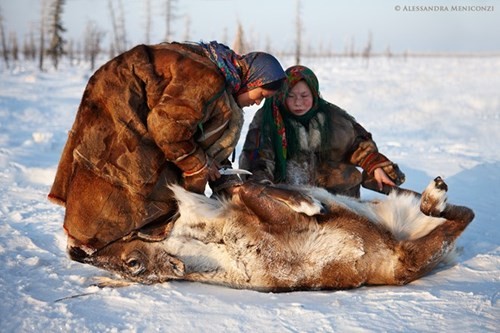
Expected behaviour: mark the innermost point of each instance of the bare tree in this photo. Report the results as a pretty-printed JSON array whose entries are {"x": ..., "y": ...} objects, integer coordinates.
[
  {"x": 321, "y": 51},
  {"x": 114, "y": 24},
  {"x": 352, "y": 48},
  {"x": 148, "y": 22},
  {"x": 168, "y": 20},
  {"x": 310, "y": 50},
  {"x": 121, "y": 25},
  {"x": 56, "y": 47},
  {"x": 224, "y": 36},
  {"x": 367, "y": 50},
  {"x": 14, "y": 49},
  {"x": 187, "y": 29},
  {"x": 298, "y": 34},
  {"x": 93, "y": 39},
  {"x": 170, "y": 16},
  {"x": 251, "y": 40},
  {"x": 26, "y": 49},
  {"x": 74, "y": 51},
  {"x": 330, "y": 51},
  {"x": 239, "y": 45},
  {"x": 70, "y": 51},
  {"x": 43, "y": 19},
  {"x": 267, "y": 47},
  {"x": 78, "y": 51},
  {"x": 388, "y": 52},
  {"x": 118, "y": 23},
  {"x": 5, "y": 51},
  {"x": 29, "y": 48}
]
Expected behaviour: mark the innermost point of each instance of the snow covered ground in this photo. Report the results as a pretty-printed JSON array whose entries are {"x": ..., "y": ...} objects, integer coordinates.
[{"x": 434, "y": 116}]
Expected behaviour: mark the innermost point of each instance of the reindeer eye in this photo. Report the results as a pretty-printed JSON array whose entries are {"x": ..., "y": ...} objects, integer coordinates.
[
  {"x": 135, "y": 266},
  {"x": 132, "y": 263}
]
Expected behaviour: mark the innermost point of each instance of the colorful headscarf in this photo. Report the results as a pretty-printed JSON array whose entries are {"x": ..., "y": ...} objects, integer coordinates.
[
  {"x": 276, "y": 118},
  {"x": 244, "y": 72},
  {"x": 298, "y": 73}
]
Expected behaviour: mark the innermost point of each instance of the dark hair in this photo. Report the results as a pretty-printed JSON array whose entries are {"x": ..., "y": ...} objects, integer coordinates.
[{"x": 274, "y": 85}]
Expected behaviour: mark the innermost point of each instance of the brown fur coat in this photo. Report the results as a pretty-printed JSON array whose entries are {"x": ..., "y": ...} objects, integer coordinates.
[
  {"x": 146, "y": 117},
  {"x": 333, "y": 166}
]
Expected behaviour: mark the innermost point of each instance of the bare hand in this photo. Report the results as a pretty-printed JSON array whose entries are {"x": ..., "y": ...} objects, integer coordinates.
[
  {"x": 213, "y": 170},
  {"x": 382, "y": 178}
]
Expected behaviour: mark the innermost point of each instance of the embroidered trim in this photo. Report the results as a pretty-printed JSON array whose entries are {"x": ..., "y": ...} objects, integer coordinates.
[
  {"x": 192, "y": 173},
  {"x": 180, "y": 158}
]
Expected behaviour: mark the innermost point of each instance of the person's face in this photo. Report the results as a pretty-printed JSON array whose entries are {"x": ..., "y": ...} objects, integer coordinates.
[
  {"x": 299, "y": 99},
  {"x": 254, "y": 96}
]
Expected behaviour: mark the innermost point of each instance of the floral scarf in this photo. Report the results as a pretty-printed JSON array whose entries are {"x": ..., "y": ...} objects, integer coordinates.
[{"x": 246, "y": 72}]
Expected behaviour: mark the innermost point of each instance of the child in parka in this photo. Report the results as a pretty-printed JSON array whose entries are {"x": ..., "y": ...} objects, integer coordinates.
[{"x": 299, "y": 138}]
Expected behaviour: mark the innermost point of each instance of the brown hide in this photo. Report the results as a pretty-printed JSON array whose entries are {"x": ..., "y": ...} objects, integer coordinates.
[{"x": 263, "y": 240}]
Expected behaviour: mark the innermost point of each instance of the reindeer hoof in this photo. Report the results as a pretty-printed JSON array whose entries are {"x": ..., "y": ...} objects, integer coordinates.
[
  {"x": 434, "y": 198},
  {"x": 440, "y": 184}
]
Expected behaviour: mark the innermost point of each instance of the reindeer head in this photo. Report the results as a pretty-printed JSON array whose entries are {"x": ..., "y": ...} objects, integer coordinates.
[{"x": 136, "y": 260}]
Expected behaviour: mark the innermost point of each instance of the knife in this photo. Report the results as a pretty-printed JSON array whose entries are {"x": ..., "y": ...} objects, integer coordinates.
[{"x": 228, "y": 171}]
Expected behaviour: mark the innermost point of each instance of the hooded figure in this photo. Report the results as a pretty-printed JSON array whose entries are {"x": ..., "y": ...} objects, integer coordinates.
[
  {"x": 154, "y": 115},
  {"x": 299, "y": 138}
]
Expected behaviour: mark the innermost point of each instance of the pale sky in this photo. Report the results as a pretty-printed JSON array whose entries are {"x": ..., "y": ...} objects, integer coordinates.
[{"x": 398, "y": 24}]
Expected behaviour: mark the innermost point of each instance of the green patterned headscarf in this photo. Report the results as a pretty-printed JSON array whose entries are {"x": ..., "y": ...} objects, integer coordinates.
[{"x": 276, "y": 118}]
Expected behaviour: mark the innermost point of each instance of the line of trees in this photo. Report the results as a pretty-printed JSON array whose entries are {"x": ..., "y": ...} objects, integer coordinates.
[
  {"x": 51, "y": 30},
  {"x": 49, "y": 40},
  {"x": 50, "y": 43}
]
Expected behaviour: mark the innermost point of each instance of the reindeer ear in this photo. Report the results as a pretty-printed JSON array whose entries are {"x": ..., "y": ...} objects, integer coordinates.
[
  {"x": 177, "y": 266},
  {"x": 155, "y": 233}
]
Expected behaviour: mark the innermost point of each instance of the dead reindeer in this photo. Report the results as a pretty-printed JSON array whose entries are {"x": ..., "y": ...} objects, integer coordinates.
[{"x": 271, "y": 238}]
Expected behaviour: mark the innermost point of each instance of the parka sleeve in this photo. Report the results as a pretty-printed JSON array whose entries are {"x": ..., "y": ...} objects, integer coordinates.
[
  {"x": 182, "y": 110},
  {"x": 351, "y": 142},
  {"x": 173, "y": 127},
  {"x": 365, "y": 154},
  {"x": 257, "y": 155},
  {"x": 363, "y": 146}
]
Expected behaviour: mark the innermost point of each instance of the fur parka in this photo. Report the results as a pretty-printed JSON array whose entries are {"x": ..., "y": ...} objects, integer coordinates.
[{"x": 147, "y": 117}]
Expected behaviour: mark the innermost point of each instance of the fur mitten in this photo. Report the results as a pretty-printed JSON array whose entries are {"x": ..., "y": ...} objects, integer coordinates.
[{"x": 197, "y": 181}]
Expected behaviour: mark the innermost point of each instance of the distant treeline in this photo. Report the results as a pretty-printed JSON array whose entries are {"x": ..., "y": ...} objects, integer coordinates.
[{"x": 48, "y": 40}]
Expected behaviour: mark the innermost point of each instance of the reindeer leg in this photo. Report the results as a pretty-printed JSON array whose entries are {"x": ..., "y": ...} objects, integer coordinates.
[
  {"x": 418, "y": 257},
  {"x": 400, "y": 190},
  {"x": 276, "y": 205}
]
